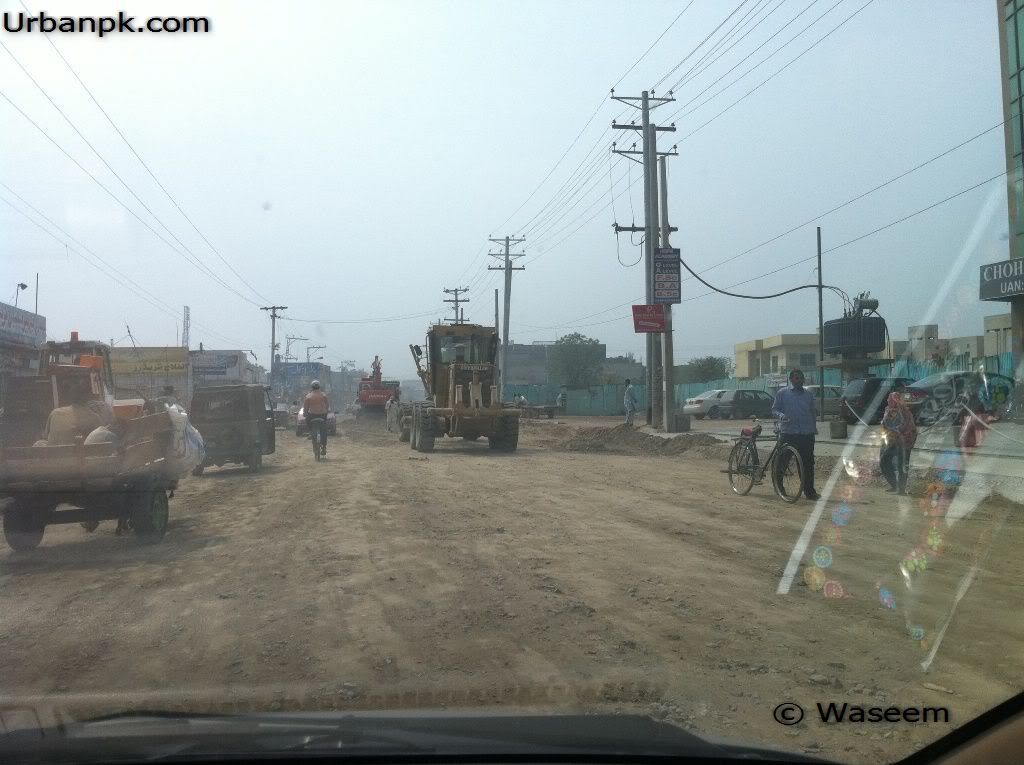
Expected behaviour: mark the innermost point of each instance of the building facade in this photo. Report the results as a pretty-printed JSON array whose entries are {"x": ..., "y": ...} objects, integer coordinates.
[
  {"x": 777, "y": 355},
  {"x": 998, "y": 333},
  {"x": 1010, "y": 14},
  {"x": 21, "y": 334}
]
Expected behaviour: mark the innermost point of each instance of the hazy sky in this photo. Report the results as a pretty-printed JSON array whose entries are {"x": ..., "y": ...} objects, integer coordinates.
[{"x": 350, "y": 160}]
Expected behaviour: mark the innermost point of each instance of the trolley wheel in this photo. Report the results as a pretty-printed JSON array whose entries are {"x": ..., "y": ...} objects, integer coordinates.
[
  {"x": 24, "y": 524},
  {"x": 149, "y": 515}
]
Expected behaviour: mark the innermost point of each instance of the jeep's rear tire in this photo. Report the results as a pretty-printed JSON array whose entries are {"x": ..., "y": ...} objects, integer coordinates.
[
  {"x": 198, "y": 470},
  {"x": 255, "y": 462},
  {"x": 24, "y": 524},
  {"x": 506, "y": 435}
]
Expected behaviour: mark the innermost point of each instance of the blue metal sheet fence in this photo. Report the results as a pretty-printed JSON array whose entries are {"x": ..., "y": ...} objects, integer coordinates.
[{"x": 606, "y": 400}]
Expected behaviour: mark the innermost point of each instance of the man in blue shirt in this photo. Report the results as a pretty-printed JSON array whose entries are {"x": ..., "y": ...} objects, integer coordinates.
[{"x": 794, "y": 406}]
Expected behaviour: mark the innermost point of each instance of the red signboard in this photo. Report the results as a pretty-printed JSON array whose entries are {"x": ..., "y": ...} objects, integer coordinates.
[{"x": 648, "y": 318}]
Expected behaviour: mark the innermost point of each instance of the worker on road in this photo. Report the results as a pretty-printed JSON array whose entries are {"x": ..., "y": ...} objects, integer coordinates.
[
  {"x": 629, "y": 402},
  {"x": 794, "y": 406},
  {"x": 315, "y": 407}
]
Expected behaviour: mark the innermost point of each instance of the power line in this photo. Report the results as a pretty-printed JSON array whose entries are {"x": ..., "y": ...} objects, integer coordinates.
[
  {"x": 95, "y": 151},
  {"x": 710, "y": 58},
  {"x": 102, "y": 266},
  {"x": 770, "y": 77},
  {"x": 863, "y": 236},
  {"x": 651, "y": 46},
  {"x": 771, "y": 37},
  {"x": 856, "y": 198},
  {"x": 572, "y": 323},
  {"x": 205, "y": 270},
  {"x": 686, "y": 58},
  {"x": 135, "y": 153},
  {"x": 792, "y": 61}
]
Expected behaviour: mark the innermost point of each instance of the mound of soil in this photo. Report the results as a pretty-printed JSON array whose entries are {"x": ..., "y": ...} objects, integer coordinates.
[{"x": 623, "y": 439}]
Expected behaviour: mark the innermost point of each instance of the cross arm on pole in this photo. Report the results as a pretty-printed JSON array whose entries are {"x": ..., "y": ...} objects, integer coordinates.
[{"x": 659, "y": 128}]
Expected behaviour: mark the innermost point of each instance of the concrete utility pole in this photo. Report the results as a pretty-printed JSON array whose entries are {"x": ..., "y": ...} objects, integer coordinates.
[
  {"x": 668, "y": 354},
  {"x": 310, "y": 348},
  {"x": 186, "y": 323},
  {"x": 273, "y": 334},
  {"x": 508, "y": 268},
  {"x": 821, "y": 340},
  {"x": 649, "y": 153},
  {"x": 457, "y": 301}
]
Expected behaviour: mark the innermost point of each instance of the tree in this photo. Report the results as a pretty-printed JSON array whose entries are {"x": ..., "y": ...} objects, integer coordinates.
[
  {"x": 575, "y": 360},
  {"x": 705, "y": 369}
]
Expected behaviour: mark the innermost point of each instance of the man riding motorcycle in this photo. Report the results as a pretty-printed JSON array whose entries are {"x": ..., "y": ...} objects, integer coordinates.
[{"x": 315, "y": 407}]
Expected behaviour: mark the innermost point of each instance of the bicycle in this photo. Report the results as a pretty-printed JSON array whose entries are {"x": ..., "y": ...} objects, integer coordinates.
[
  {"x": 746, "y": 469},
  {"x": 317, "y": 428}
]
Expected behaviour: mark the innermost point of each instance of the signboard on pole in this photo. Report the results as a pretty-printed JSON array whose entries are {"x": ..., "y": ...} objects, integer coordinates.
[
  {"x": 668, "y": 287},
  {"x": 648, "y": 318},
  {"x": 21, "y": 327},
  {"x": 1003, "y": 280}
]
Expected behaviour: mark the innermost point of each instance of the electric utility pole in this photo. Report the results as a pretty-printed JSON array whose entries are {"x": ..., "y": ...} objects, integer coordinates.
[
  {"x": 456, "y": 301},
  {"x": 646, "y": 102},
  {"x": 273, "y": 334},
  {"x": 288, "y": 340},
  {"x": 509, "y": 257},
  {"x": 667, "y": 351},
  {"x": 821, "y": 340},
  {"x": 313, "y": 348}
]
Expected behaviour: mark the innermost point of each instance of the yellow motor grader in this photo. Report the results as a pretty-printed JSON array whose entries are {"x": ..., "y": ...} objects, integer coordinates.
[{"x": 459, "y": 374}]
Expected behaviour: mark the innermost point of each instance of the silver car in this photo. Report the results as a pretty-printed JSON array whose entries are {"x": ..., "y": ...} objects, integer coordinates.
[
  {"x": 704, "y": 405},
  {"x": 831, "y": 395}
]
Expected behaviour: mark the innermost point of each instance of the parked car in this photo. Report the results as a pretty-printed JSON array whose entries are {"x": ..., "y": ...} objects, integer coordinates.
[
  {"x": 864, "y": 398},
  {"x": 236, "y": 423},
  {"x": 832, "y": 395},
  {"x": 743, "y": 404},
  {"x": 934, "y": 397},
  {"x": 704, "y": 405},
  {"x": 302, "y": 429}
]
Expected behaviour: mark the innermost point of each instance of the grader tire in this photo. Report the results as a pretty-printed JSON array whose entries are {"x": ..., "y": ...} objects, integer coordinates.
[
  {"x": 424, "y": 430},
  {"x": 506, "y": 435}
]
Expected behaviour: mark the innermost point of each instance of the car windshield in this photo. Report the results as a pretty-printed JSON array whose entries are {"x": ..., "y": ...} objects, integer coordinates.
[{"x": 604, "y": 304}]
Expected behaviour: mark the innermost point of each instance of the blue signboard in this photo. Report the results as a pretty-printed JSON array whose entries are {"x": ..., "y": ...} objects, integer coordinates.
[{"x": 668, "y": 287}]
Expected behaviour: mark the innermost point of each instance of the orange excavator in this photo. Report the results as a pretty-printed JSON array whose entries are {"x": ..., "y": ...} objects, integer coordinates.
[{"x": 374, "y": 392}]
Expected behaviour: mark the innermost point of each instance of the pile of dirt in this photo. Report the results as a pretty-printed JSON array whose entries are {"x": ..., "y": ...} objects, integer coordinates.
[{"x": 623, "y": 439}]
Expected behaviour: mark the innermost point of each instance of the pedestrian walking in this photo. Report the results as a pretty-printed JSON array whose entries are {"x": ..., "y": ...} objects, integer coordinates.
[
  {"x": 899, "y": 433},
  {"x": 794, "y": 406},
  {"x": 629, "y": 402}
]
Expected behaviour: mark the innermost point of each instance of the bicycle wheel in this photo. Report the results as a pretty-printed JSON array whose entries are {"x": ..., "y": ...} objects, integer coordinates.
[
  {"x": 788, "y": 473},
  {"x": 314, "y": 436},
  {"x": 742, "y": 467}
]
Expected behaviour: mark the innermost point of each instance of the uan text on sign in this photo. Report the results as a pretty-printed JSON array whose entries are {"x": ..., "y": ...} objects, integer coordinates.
[
  {"x": 667, "y": 280},
  {"x": 1002, "y": 281}
]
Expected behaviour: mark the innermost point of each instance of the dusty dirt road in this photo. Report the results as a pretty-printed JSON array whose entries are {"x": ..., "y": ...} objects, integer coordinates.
[{"x": 585, "y": 572}]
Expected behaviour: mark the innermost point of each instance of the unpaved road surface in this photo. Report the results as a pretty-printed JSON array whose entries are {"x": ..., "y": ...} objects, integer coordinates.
[{"x": 585, "y": 572}]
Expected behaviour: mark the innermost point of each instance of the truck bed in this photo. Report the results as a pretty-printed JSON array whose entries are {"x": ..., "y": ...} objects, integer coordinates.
[{"x": 66, "y": 468}]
